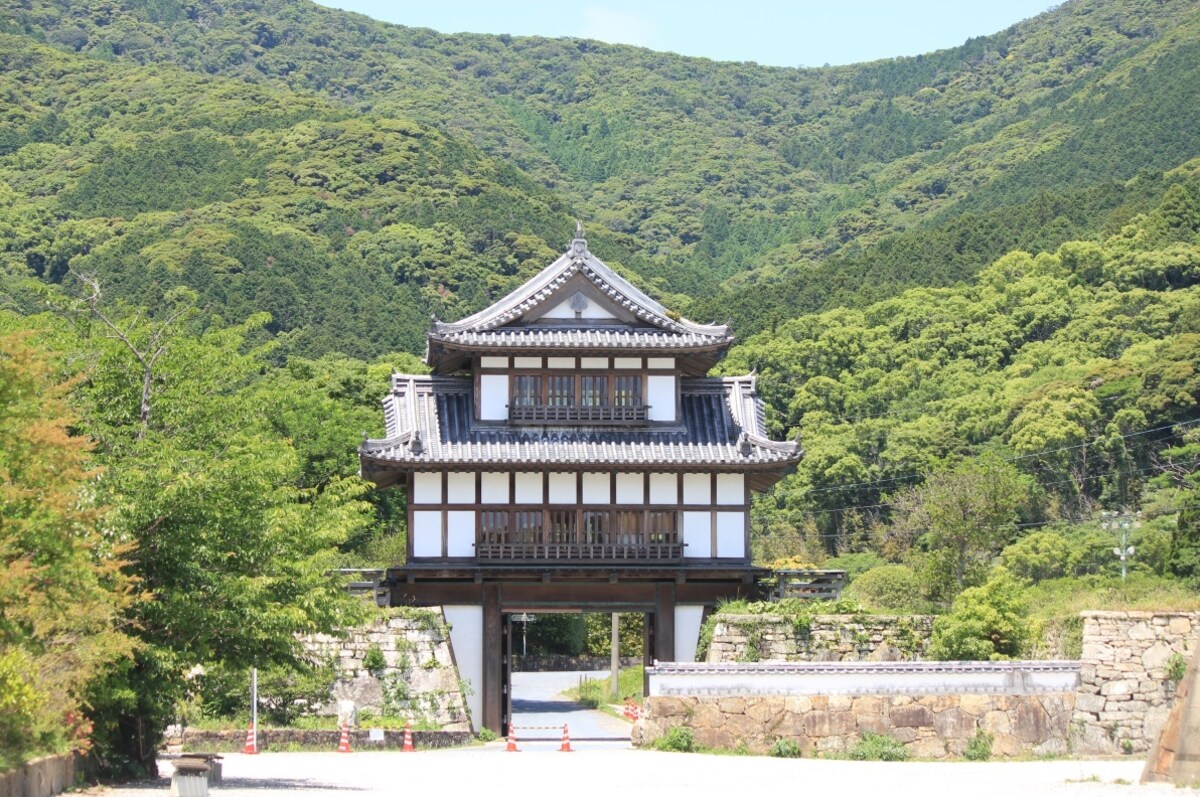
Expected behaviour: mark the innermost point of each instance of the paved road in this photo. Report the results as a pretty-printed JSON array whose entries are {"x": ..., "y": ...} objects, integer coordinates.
[
  {"x": 490, "y": 770},
  {"x": 540, "y": 710}
]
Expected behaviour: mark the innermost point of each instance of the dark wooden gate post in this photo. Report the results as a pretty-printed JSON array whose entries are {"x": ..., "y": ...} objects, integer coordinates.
[
  {"x": 493, "y": 667},
  {"x": 664, "y": 621}
]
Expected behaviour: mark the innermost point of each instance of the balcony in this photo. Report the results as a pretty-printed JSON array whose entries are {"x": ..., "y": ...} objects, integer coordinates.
[
  {"x": 550, "y": 414},
  {"x": 579, "y": 552}
]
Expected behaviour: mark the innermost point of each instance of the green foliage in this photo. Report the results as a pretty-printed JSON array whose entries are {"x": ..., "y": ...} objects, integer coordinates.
[
  {"x": 877, "y": 747},
  {"x": 286, "y": 693},
  {"x": 985, "y": 623},
  {"x": 557, "y": 634},
  {"x": 1185, "y": 539},
  {"x": 979, "y": 748},
  {"x": 595, "y": 692},
  {"x": 486, "y": 735},
  {"x": 629, "y": 634},
  {"x": 786, "y": 748},
  {"x": 373, "y": 661},
  {"x": 889, "y": 589},
  {"x": 677, "y": 739},
  {"x": 1175, "y": 668},
  {"x": 855, "y": 564}
]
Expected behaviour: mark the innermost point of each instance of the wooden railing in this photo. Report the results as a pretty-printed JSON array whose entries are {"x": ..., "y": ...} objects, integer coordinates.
[
  {"x": 572, "y": 413},
  {"x": 579, "y": 552},
  {"x": 825, "y": 585}
]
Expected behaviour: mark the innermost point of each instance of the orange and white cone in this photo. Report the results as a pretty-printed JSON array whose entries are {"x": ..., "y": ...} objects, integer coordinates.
[
  {"x": 344, "y": 742},
  {"x": 251, "y": 747},
  {"x": 566, "y": 744},
  {"x": 408, "y": 745},
  {"x": 512, "y": 740}
]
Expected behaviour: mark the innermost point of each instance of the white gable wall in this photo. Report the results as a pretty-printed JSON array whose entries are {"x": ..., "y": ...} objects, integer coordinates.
[{"x": 563, "y": 309}]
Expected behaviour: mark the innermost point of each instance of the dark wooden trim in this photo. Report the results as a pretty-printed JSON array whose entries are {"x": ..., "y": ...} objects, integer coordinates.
[
  {"x": 664, "y": 624},
  {"x": 493, "y": 686}
]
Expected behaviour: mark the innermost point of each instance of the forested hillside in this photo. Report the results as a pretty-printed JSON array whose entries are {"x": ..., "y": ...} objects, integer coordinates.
[{"x": 967, "y": 282}]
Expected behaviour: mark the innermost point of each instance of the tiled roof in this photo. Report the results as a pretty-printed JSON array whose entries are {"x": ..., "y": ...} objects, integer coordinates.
[
  {"x": 579, "y": 338},
  {"x": 430, "y": 421},
  {"x": 652, "y": 325}
]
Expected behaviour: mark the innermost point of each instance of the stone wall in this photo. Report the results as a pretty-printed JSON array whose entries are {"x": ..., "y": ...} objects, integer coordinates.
[
  {"x": 419, "y": 681},
  {"x": 1124, "y": 692},
  {"x": 754, "y": 637},
  {"x": 930, "y": 726},
  {"x": 43, "y": 777}
]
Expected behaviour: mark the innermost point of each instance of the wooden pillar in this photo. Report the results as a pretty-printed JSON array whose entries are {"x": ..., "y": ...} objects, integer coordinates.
[
  {"x": 493, "y": 664},
  {"x": 664, "y": 621}
]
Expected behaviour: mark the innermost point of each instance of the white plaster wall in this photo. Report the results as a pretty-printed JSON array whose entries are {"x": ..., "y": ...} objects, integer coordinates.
[
  {"x": 560, "y": 362},
  {"x": 460, "y": 488},
  {"x": 597, "y": 488},
  {"x": 563, "y": 310},
  {"x": 493, "y": 488},
  {"x": 427, "y": 488},
  {"x": 660, "y": 395},
  {"x": 731, "y": 489},
  {"x": 460, "y": 533},
  {"x": 427, "y": 533},
  {"x": 593, "y": 362},
  {"x": 493, "y": 362},
  {"x": 466, "y": 640},
  {"x": 687, "y": 631},
  {"x": 627, "y": 362},
  {"x": 664, "y": 488},
  {"x": 528, "y": 488},
  {"x": 630, "y": 488},
  {"x": 527, "y": 362},
  {"x": 562, "y": 488},
  {"x": 731, "y": 535},
  {"x": 660, "y": 362},
  {"x": 493, "y": 397},
  {"x": 697, "y": 535},
  {"x": 697, "y": 488}
]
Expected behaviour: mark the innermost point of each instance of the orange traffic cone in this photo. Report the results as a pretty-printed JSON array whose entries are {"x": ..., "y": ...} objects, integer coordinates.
[
  {"x": 251, "y": 747},
  {"x": 344, "y": 742},
  {"x": 408, "y": 745},
  {"x": 512, "y": 740},
  {"x": 566, "y": 745}
]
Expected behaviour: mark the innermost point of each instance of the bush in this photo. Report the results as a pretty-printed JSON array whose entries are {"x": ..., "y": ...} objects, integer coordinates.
[
  {"x": 980, "y": 747},
  {"x": 486, "y": 735},
  {"x": 677, "y": 739},
  {"x": 855, "y": 564},
  {"x": 786, "y": 748},
  {"x": 373, "y": 661},
  {"x": 876, "y": 747},
  {"x": 890, "y": 588},
  {"x": 985, "y": 623},
  {"x": 1038, "y": 555}
]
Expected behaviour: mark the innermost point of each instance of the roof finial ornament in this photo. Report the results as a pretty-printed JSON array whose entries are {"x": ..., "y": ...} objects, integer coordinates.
[{"x": 579, "y": 244}]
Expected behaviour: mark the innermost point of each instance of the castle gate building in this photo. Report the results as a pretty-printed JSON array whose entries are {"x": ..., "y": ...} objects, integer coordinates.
[{"x": 568, "y": 453}]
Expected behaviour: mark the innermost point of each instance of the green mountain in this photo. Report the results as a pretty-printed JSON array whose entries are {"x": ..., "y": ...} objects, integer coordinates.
[{"x": 770, "y": 191}]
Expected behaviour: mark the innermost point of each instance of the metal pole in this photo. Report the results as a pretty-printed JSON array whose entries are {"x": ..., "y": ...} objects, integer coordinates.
[
  {"x": 254, "y": 703},
  {"x": 615, "y": 661}
]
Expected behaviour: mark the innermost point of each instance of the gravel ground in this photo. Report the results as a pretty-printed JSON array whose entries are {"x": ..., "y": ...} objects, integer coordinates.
[{"x": 594, "y": 770}]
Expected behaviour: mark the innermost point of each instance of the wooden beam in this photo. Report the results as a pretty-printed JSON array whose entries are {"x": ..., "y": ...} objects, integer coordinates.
[{"x": 493, "y": 686}]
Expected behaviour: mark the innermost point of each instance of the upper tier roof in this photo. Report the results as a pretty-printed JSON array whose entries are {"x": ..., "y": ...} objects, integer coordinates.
[
  {"x": 430, "y": 425},
  {"x": 626, "y": 319}
]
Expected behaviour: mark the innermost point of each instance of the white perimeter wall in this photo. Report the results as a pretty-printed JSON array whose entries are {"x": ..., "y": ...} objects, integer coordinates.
[
  {"x": 687, "y": 631},
  {"x": 466, "y": 639}
]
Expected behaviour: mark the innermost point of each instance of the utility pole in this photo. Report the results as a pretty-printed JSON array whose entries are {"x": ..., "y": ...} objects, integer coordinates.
[
  {"x": 615, "y": 660},
  {"x": 254, "y": 704},
  {"x": 1122, "y": 521}
]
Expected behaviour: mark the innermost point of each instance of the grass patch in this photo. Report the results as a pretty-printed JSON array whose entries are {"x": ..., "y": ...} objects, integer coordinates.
[
  {"x": 595, "y": 692},
  {"x": 876, "y": 747},
  {"x": 677, "y": 739}
]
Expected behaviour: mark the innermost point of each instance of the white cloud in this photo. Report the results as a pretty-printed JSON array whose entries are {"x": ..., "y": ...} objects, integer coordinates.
[{"x": 617, "y": 27}]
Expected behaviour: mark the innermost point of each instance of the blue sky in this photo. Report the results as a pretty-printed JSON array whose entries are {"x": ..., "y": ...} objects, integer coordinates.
[{"x": 800, "y": 33}]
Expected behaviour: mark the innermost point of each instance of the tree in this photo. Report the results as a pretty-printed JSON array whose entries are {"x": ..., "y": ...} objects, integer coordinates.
[
  {"x": 1185, "y": 540},
  {"x": 234, "y": 552},
  {"x": 61, "y": 589},
  {"x": 988, "y": 622},
  {"x": 969, "y": 512}
]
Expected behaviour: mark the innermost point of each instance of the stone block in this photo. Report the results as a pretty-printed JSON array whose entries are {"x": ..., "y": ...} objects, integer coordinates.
[
  {"x": 868, "y": 704},
  {"x": 1140, "y": 630},
  {"x": 1005, "y": 745},
  {"x": 931, "y": 747},
  {"x": 874, "y": 723},
  {"x": 829, "y": 723},
  {"x": 799, "y": 704},
  {"x": 1122, "y": 686},
  {"x": 904, "y": 735},
  {"x": 1096, "y": 651},
  {"x": 997, "y": 722},
  {"x": 1157, "y": 655},
  {"x": 915, "y": 716},
  {"x": 766, "y": 712},
  {"x": 1093, "y": 704},
  {"x": 1031, "y": 724},
  {"x": 707, "y": 715},
  {"x": 975, "y": 705},
  {"x": 1179, "y": 626},
  {"x": 954, "y": 723},
  {"x": 840, "y": 702},
  {"x": 732, "y": 705}
]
